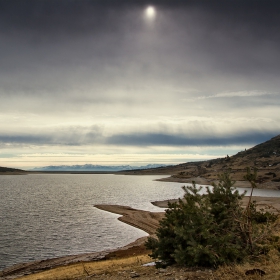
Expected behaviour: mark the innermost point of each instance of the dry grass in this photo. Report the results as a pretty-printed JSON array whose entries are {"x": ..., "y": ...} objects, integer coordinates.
[
  {"x": 81, "y": 270},
  {"x": 121, "y": 264},
  {"x": 269, "y": 264},
  {"x": 121, "y": 267}
]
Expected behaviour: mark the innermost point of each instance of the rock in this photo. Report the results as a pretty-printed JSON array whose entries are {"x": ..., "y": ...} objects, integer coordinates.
[
  {"x": 134, "y": 275},
  {"x": 255, "y": 271}
]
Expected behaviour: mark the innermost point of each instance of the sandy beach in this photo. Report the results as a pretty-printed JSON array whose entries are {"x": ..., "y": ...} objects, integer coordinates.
[{"x": 145, "y": 220}]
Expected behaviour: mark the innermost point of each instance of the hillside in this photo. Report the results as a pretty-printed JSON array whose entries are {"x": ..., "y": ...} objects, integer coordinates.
[
  {"x": 265, "y": 157},
  {"x": 10, "y": 171}
]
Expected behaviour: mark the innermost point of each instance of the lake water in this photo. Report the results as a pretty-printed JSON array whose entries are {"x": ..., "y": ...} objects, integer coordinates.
[
  {"x": 52, "y": 215},
  {"x": 46, "y": 216}
]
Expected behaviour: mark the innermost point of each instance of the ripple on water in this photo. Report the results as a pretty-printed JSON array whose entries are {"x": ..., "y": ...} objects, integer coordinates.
[{"x": 46, "y": 216}]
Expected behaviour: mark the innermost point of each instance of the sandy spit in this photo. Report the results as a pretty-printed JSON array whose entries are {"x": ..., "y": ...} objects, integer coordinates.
[{"x": 145, "y": 220}]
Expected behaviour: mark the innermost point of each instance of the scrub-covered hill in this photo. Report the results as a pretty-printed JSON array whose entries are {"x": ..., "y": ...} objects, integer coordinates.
[
  {"x": 10, "y": 171},
  {"x": 265, "y": 157}
]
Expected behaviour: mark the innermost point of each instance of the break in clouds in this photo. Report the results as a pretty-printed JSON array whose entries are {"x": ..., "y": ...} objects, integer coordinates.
[{"x": 92, "y": 73}]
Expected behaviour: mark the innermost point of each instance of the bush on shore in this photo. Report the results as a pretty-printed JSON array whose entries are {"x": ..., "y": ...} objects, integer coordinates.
[{"x": 213, "y": 229}]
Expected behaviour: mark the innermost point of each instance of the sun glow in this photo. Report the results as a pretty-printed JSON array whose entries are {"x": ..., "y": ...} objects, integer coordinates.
[{"x": 150, "y": 12}]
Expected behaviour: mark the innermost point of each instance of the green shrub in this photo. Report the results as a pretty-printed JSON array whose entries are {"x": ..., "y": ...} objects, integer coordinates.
[
  {"x": 208, "y": 230},
  {"x": 261, "y": 216}
]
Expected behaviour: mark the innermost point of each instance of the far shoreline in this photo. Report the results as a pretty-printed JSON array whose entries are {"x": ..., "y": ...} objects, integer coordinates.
[{"x": 169, "y": 178}]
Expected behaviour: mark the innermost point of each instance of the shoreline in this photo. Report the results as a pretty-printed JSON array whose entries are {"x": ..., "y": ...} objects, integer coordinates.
[
  {"x": 144, "y": 220},
  {"x": 272, "y": 203},
  {"x": 203, "y": 181},
  {"x": 30, "y": 268},
  {"x": 141, "y": 219}
]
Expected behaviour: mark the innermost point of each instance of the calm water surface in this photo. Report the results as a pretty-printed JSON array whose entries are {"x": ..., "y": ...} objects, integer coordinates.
[{"x": 46, "y": 216}]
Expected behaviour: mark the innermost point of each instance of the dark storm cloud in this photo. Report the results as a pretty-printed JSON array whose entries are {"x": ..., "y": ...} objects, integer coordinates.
[
  {"x": 60, "y": 17},
  {"x": 61, "y": 44},
  {"x": 79, "y": 53},
  {"x": 139, "y": 140},
  {"x": 64, "y": 136},
  {"x": 92, "y": 15},
  {"x": 158, "y": 139},
  {"x": 72, "y": 17},
  {"x": 25, "y": 139}
]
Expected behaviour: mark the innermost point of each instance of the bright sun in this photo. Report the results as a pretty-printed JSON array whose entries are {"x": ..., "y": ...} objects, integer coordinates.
[{"x": 150, "y": 12}]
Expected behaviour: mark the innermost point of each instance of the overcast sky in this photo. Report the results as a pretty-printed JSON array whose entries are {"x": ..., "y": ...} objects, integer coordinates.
[{"x": 115, "y": 82}]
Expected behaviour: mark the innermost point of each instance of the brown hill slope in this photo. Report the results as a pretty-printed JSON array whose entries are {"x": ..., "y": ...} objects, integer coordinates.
[{"x": 265, "y": 157}]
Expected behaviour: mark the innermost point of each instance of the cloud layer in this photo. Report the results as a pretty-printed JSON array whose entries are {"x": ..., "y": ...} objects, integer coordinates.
[{"x": 88, "y": 75}]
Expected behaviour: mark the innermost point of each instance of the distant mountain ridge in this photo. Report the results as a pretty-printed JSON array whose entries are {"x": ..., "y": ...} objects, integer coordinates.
[{"x": 91, "y": 167}]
